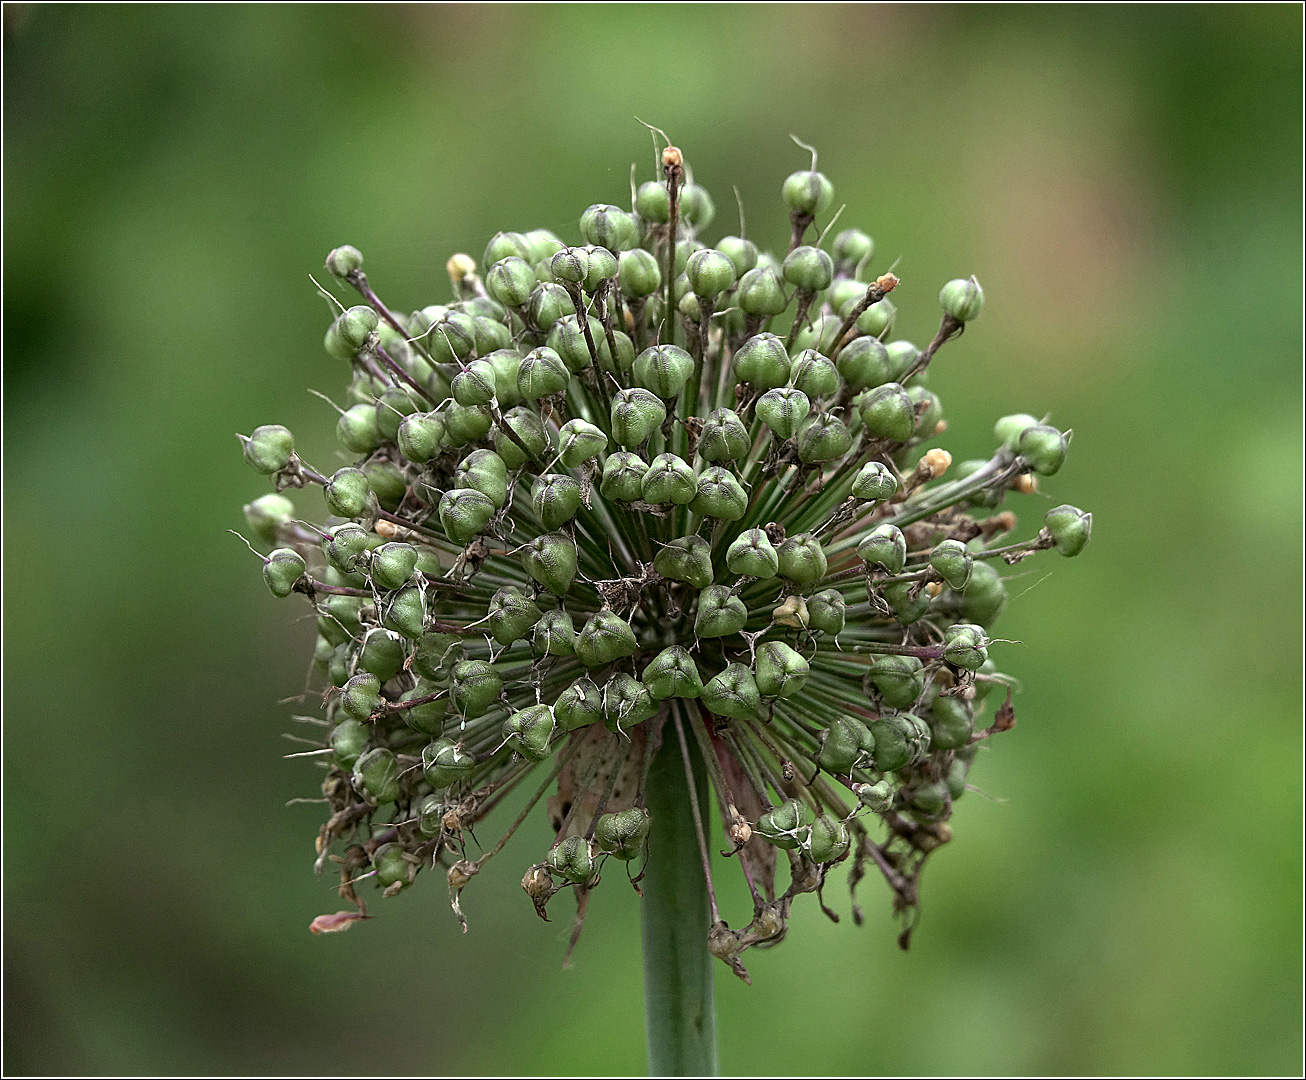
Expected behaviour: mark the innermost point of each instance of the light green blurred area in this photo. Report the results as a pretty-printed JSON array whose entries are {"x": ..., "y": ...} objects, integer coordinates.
[{"x": 1126, "y": 894}]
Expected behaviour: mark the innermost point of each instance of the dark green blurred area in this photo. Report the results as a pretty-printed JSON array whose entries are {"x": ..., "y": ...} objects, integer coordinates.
[{"x": 1125, "y": 182}]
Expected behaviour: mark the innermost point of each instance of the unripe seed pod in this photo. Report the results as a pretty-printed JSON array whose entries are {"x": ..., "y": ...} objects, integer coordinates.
[
  {"x": 962, "y": 298},
  {"x": 269, "y": 448},
  {"x": 931, "y": 799},
  {"x": 361, "y": 695},
  {"x": 376, "y": 774},
  {"x": 888, "y": 413},
  {"x": 530, "y": 431},
  {"x": 902, "y": 356},
  {"x": 720, "y": 614},
  {"x": 602, "y": 266},
  {"x": 710, "y": 272},
  {"x": 383, "y": 654},
  {"x": 343, "y": 261},
  {"x": 720, "y": 495},
  {"x": 511, "y": 614},
  {"x": 928, "y": 408},
  {"x": 466, "y": 423},
  {"x": 435, "y": 656},
  {"x": 673, "y": 673},
  {"x": 899, "y": 679},
  {"x": 782, "y": 410},
  {"x": 604, "y": 638},
  {"x": 391, "y": 407},
  {"x": 664, "y": 370},
  {"x": 580, "y": 705},
  {"x": 819, "y": 334},
  {"x": 845, "y": 745},
  {"x": 687, "y": 559},
  {"x": 984, "y": 596},
  {"x": 965, "y": 645},
  {"x": 957, "y": 773},
  {"x": 571, "y": 860},
  {"x": 475, "y": 384},
  {"x": 570, "y": 264},
  {"x": 781, "y": 671},
  {"x": 419, "y": 437},
  {"x": 579, "y": 441},
  {"x": 822, "y": 437},
  {"x": 807, "y": 192},
  {"x": 430, "y": 815},
  {"x": 1070, "y": 528},
  {"x": 387, "y": 482},
  {"x": 623, "y": 477},
  {"x": 267, "y": 514},
  {"x": 555, "y": 498},
  {"x": 814, "y": 374},
  {"x": 610, "y": 227},
  {"x": 827, "y": 840},
  {"x": 653, "y": 202},
  {"x": 464, "y": 512},
  {"x": 763, "y": 362},
  {"x": 878, "y": 319},
  {"x": 696, "y": 208},
  {"x": 724, "y": 437},
  {"x": 751, "y": 554},
  {"x": 760, "y": 292},
  {"x": 908, "y": 602},
  {"x": 1044, "y": 447},
  {"x": 281, "y": 569},
  {"x": 549, "y": 303},
  {"x": 340, "y": 617},
  {"x": 793, "y": 612},
  {"x": 622, "y": 834},
  {"x": 393, "y": 564},
  {"x": 444, "y": 762},
  {"x": 428, "y": 717},
  {"x": 504, "y": 245},
  {"x": 901, "y": 739},
  {"x": 875, "y": 483},
  {"x": 348, "y": 741},
  {"x": 542, "y": 373},
  {"x": 636, "y": 414},
  {"x": 542, "y": 243},
  {"x": 346, "y": 492},
  {"x": 554, "y": 634},
  {"x": 784, "y": 825},
  {"x": 452, "y": 337},
  {"x": 626, "y": 703},
  {"x": 347, "y": 546},
  {"x": 741, "y": 253},
  {"x": 733, "y": 693},
  {"x": 669, "y": 480},
  {"x": 809, "y": 269},
  {"x": 506, "y": 363},
  {"x": 877, "y": 797},
  {"x": 952, "y": 561},
  {"x": 638, "y": 274},
  {"x": 844, "y": 292},
  {"x": 864, "y": 363},
  {"x": 852, "y": 248},
  {"x": 529, "y": 732},
  {"x": 825, "y": 612},
  {"x": 1009, "y": 429},
  {"x": 510, "y": 281},
  {"x": 802, "y": 559},
  {"x": 951, "y": 723},
  {"x": 551, "y": 560},
  {"x": 405, "y": 613},
  {"x": 355, "y": 325},
  {"x": 475, "y": 686}
]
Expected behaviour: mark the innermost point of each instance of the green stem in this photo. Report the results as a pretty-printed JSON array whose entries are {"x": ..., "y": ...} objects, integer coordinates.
[{"x": 680, "y": 1012}]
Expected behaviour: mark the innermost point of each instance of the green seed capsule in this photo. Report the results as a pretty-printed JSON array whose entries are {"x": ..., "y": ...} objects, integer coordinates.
[
  {"x": 578, "y": 442},
  {"x": 570, "y": 264},
  {"x": 828, "y": 840},
  {"x": 388, "y": 483},
  {"x": 760, "y": 293},
  {"x": 542, "y": 373},
  {"x": 467, "y": 423},
  {"x": 346, "y": 547},
  {"x": 784, "y": 825},
  {"x": 392, "y": 406},
  {"x": 269, "y": 448},
  {"x": 751, "y": 554},
  {"x": 1044, "y": 447},
  {"x": 664, "y": 370},
  {"x": 952, "y": 561},
  {"x": 580, "y": 705},
  {"x": 604, "y": 638},
  {"x": 623, "y": 477},
  {"x": 878, "y": 319},
  {"x": 951, "y": 723},
  {"x": 506, "y": 363},
  {"x": 610, "y": 227},
  {"x": 346, "y": 492},
  {"x": 530, "y": 731},
  {"x": 929, "y": 410},
  {"x": 1070, "y": 528},
  {"x": 899, "y": 679},
  {"x": 530, "y": 431},
  {"x": 476, "y": 686},
  {"x": 687, "y": 559},
  {"x": 852, "y": 248},
  {"x": 781, "y": 671},
  {"x": 601, "y": 268},
  {"x": 902, "y": 357},
  {"x": 622, "y": 834},
  {"x": 281, "y": 569},
  {"x": 1009, "y": 429},
  {"x": 653, "y": 202},
  {"x": 343, "y": 261},
  {"x": 452, "y": 337},
  {"x": 511, "y": 614},
  {"x": 908, "y": 602},
  {"x": 888, "y": 413},
  {"x": 361, "y": 695},
  {"x": 638, "y": 274},
  {"x": 825, "y": 612},
  {"x": 393, "y": 565},
  {"x": 356, "y": 325},
  {"x": 626, "y": 703},
  {"x": 669, "y": 480},
  {"x": 571, "y": 859},
  {"x": 464, "y": 513},
  {"x": 673, "y": 673},
  {"x": 419, "y": 437},
  {"x": 376, "y": 774},
  {"x": 864, "y": 363},
  {"x": 426, "y": 718},
  {"x": 549, "y": 303},
  {"x": 696, "y": 208},
  {"x": 901, "y": 739},
  {"x": 809, "y": 269},
  {"x": 931, "y": 799},
  {"x": 340, "y": 618},
  {"x": 807, "y": 192},
  {"x": 551, "y": 560},
  {"x": 802, "y": 559},
  {"x": 430, "y": 815},
  {"x": 814, "y": 374},
  {"x": 405, "y": 613},
  {"x": 503, "y": 245},
  {"x": 720, "y": 495},
  {"x": 782, "y": 410},
  {"x": 720, "y": 614},
  {"x": 957, "y": 773},
  {"x": 710, "y": 272},
  {"x": 733, "y": 693},
  {"x": 875, "y": 483},
  {"x": 962, "y": 298},
  {"x": 822, "y": 437},
  {"x": 267, "y": 514},
  {"x": 984, "y": 595},
  {"x": 341, "y": 664},
  {"x": 724, "y": 437},
  {"x": 877, "y": 797},
  {"x": 819, "y": 334},
  {"x": 555, "y": 498},
  {"x": 965, "y": 645},
  {"x": 510, "y": 281},
  {"x": 844, "y": 746},
  {"x": 763, "y": 362},
  {"x": 444, "y": 762},
  {"x": 844, "y": 293},
  {"x": 554, "y": 634},
  {"x": 383, "y": 654},
  {"x": 636, "y": 414},
  {"x": 348, "y": 741},
  {"x": 741, "y": 253},
  {"x": 475, "y": 384},
  {"x": 542, "y": 243}
]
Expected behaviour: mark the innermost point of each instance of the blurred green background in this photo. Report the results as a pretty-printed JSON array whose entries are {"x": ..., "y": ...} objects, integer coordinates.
[{"x": 1125, "y": 182}]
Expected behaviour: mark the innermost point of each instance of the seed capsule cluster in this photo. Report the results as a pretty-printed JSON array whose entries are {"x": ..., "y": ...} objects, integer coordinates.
[{"x": 640, "y": 488}]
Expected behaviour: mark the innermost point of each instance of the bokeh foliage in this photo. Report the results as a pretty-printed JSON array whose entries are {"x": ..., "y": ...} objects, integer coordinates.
[{"x": 1125, "y": 183}]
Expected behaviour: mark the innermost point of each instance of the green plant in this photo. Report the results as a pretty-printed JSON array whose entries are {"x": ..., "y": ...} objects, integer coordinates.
[{"x": 606, "y": 526}]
